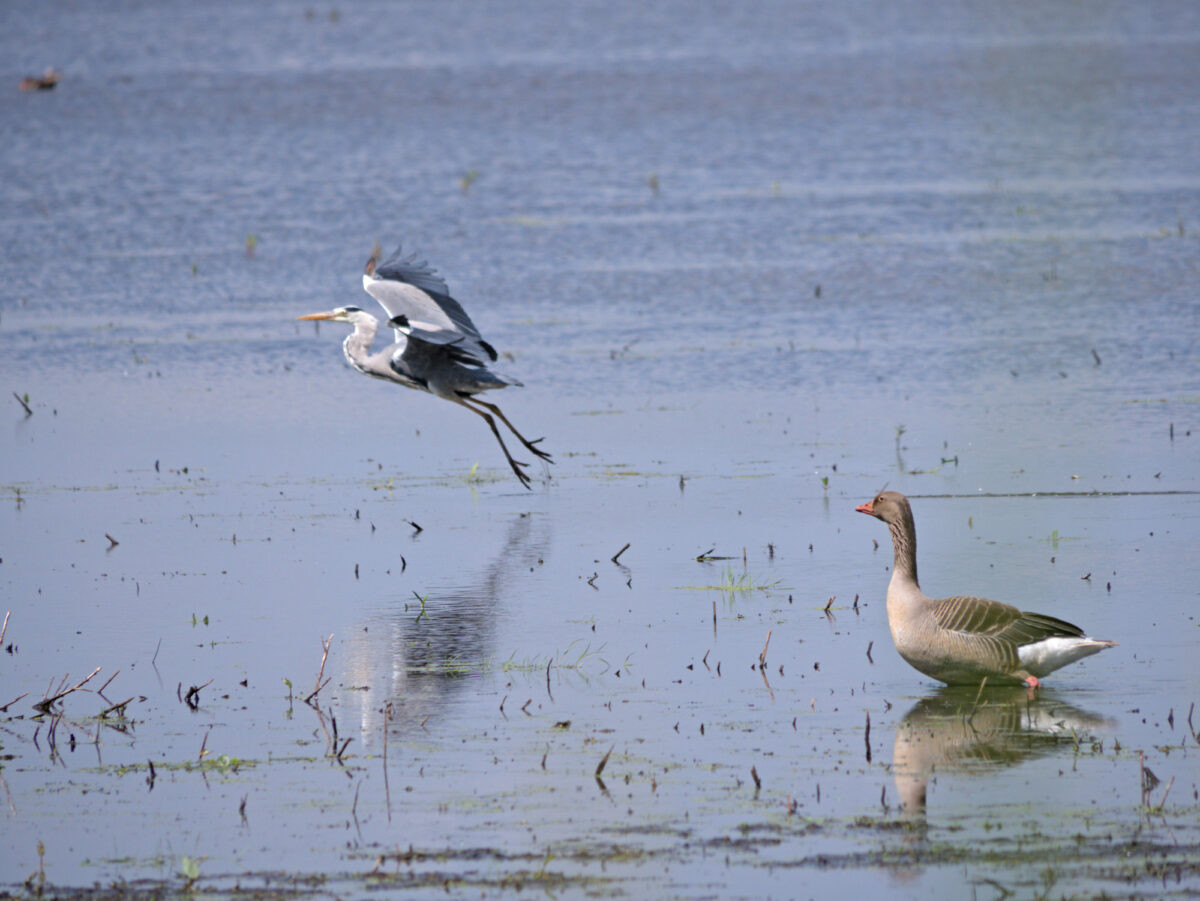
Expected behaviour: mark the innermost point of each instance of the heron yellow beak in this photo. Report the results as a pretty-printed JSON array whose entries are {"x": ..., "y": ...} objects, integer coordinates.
[{"x": 314, "y": 316}]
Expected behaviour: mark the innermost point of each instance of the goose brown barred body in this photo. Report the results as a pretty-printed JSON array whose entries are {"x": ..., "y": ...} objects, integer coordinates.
[{"x": 962, "y": 639}]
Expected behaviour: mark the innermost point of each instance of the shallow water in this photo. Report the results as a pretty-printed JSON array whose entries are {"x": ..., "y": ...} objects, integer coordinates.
[{"x": 750, "y": 266}]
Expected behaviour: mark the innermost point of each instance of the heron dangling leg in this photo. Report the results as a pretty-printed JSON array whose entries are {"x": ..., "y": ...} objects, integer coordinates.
[
  {"x": 504, "y": 419},
  {"x": 515, "y": 464}
]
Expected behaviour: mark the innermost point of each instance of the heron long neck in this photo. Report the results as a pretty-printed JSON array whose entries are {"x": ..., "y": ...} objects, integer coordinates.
[
  {"x": 357, "y": 345},
  {"x": 904, "y": 548}
]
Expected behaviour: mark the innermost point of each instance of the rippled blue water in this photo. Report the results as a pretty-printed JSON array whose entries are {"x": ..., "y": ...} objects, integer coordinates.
[{"x": 756, "y": 245}]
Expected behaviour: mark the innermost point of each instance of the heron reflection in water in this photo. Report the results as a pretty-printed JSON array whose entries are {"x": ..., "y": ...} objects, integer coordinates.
[{"x": 421, "y": 661}]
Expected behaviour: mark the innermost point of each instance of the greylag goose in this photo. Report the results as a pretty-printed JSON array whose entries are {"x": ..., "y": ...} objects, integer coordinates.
[{"x": 963, "y": 639}]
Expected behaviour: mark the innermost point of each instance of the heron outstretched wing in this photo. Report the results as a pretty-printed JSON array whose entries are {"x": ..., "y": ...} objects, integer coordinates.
[
  {"x": 451, "y": 365},
  {"x": 418, "y": 302}
]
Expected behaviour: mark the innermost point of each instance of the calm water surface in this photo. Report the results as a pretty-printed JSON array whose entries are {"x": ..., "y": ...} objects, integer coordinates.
[{"x": 751, "y": 265}]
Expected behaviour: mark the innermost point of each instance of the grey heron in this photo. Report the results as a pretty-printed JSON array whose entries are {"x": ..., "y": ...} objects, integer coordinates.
[{"x": 437, "y": 348}]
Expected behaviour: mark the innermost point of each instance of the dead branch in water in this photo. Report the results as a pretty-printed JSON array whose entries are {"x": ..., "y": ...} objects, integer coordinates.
[
  {"x": 325, "y": 643},
  {"x": 44, "y": 704}
]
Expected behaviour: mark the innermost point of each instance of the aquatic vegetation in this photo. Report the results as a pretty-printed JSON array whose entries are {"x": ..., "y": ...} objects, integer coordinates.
[{"x": 732, "y": 581}]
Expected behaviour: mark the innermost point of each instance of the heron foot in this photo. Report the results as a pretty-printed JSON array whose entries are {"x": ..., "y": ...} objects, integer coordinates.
[
  {"x": 517, "y": 467},
  {"x": 537, "y": 450}
]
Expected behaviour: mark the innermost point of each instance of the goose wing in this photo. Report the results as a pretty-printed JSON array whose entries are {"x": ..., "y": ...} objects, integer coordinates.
[{"x": 984, "y": 618}]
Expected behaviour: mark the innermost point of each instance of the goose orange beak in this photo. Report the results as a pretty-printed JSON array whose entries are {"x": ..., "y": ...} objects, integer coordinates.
[{"x": 866, "y": 508}]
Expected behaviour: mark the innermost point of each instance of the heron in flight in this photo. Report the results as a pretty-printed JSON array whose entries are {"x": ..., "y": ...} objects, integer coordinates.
[{"x": 437, "y": 347}]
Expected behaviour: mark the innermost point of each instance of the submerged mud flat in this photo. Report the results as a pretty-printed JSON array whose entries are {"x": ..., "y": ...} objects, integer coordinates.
[
  {"x": 307, "y": 634},
  {"x": 529, "y": 714}
]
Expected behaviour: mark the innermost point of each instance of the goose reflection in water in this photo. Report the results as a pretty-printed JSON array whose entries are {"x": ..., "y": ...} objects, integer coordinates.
[
  {"x": 960, "y": 728},
  {"x": 417, "y": 660}
]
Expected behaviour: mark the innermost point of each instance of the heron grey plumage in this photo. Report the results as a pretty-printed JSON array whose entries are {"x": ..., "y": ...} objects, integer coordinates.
[{"x": 437, "y": 349}]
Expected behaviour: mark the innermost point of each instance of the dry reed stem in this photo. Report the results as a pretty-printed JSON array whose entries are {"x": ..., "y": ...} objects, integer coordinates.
[
  {"x": 121, "y": 707},
  {"x": 44, "y": 703},
  {"x": 604, "y": 762},
  {"x": 325, "y": 643}
]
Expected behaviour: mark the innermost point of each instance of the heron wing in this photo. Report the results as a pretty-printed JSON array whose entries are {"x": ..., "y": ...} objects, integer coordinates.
[
  {"x": 410, "y": 288},
  {"x": 414, "y": 272},
  {"x": 416, "y": 359}
]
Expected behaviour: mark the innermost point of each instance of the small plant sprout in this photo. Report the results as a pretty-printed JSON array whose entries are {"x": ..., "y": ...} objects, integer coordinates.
[
  {"x": 189, "y": 869},
  {"x": 732, "y": 582},
  {"x": 468, "y": 178},
  {"x": 251, "y": 244}
]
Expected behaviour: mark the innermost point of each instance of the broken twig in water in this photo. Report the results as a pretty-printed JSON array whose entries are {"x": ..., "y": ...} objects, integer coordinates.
[
  {"x": 4, "y": 628},
  {"x": 603, "y": 762},
  {"x": 754, "y": 776},
  {"x": 617, "y": 555},
  {"x": 44, "y": 703},
  {"x": 867, "y": 737},
  {"x": 21, "y": 401},
  {"x": 325, "y": 643},
  {"x": 192, "y": 698},
  {"x": 119, "y": 708},
  {"x": 1163, "y": 803},
  {"x": 762, "y": 658}
]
